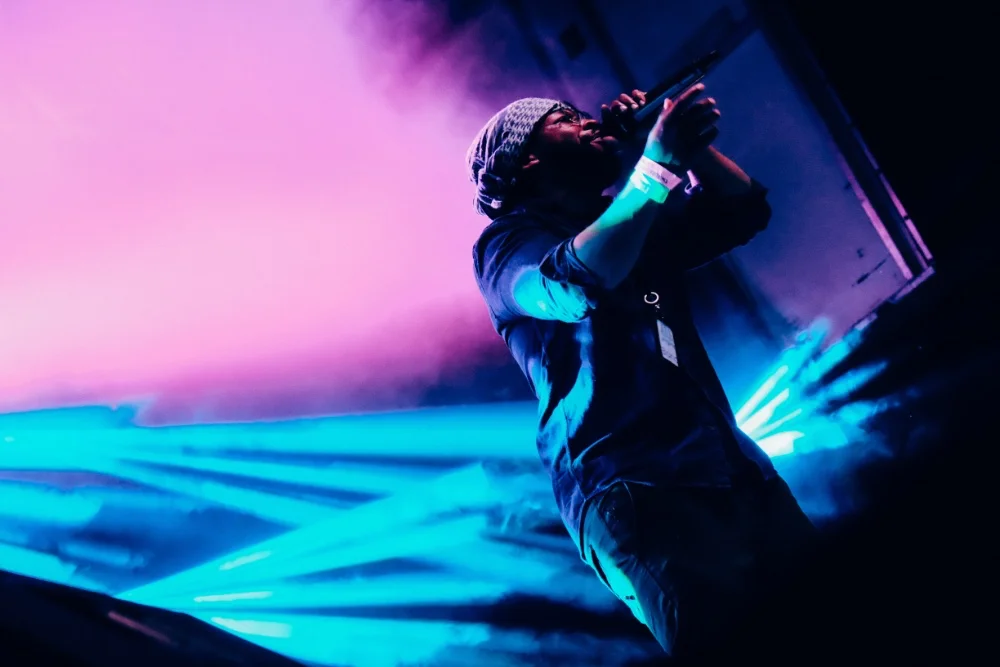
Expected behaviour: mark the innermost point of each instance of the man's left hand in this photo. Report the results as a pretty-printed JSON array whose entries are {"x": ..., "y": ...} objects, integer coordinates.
[{"x": 621, "y": 112}]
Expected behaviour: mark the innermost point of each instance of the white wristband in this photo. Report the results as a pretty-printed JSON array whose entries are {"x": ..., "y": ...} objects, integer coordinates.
[
  {"x": 658, "y": 173},
  {"x": 650, "y": 187}
]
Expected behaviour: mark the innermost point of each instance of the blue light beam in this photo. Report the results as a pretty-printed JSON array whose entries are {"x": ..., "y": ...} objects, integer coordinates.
[{"x": 466, "y": 490}]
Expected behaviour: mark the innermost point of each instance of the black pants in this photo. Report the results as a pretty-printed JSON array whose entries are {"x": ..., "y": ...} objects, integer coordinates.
[{"x": 693, "y": 563}]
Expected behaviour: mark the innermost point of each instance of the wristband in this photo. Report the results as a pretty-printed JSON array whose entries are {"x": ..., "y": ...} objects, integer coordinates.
[
  {"x": 653, "y": 179},
  {"x": 658, "y": 172},
  {"x": 652, "y": 188}
]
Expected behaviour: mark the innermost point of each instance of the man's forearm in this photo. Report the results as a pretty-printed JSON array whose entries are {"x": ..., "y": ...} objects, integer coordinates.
[
  {"x": 720, "y": 175},
  {"x": 611, "y": 245},
  {"x": 731, "y": 211}
]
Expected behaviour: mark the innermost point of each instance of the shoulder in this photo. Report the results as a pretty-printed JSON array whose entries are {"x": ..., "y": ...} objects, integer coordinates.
[
  {"x": 505, "y": 232},
  {"x": 507, "y": 224}
]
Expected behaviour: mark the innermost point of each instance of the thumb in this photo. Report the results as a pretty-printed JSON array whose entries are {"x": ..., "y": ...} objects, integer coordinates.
[{"x": 668, "y": 105}]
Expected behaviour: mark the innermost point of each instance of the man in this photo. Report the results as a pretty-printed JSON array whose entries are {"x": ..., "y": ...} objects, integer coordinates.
[{"x": 680, "y": 514}]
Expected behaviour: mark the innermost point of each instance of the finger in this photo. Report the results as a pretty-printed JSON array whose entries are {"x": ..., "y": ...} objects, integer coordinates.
[
  {"x": 688, "y": 97},
  {"x": 619, "y": 107},
  {"x": 628, "y": 101},
  {"x": 706, "y": 104},
  {"x": 706, "y": 138},
  {"x": 639, "y": 97},
  {"x": 700, "y": 114},
  {"x": 616, "y": 122},
  {"x": 692, "y": 134},
  {"x": 697, "y": 115},
  {"x": 606, "y": 113}
]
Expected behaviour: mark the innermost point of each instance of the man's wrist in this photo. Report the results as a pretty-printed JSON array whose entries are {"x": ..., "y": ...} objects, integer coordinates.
[
  {"x": 664, "y": 173},
  {"x": 665, "y": 160},
  {"x": 674, "y": 166},
  {"x": 654, "y": 179},
  {"x": 652, "y": 189},
  {"x": 707, "y": 155}
]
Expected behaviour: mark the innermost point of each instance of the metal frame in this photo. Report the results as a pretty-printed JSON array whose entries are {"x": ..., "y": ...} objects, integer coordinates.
[{"x": 886, "y": 212}]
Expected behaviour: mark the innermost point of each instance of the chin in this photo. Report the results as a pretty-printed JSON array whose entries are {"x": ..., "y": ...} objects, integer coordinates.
[
  {"x": 594, "y": 166},
  {"x": 609, "y": 144}
]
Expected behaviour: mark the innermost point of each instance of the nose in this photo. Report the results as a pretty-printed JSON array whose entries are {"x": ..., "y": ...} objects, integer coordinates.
[{"x": 591, "y": 127}]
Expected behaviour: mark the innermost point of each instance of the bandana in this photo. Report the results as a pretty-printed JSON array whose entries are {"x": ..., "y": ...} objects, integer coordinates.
[{"x": 495, "y": 155}]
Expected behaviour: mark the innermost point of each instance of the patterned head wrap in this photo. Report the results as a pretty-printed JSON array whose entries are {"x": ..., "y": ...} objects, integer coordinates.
[{"x": 495, "y": 154}]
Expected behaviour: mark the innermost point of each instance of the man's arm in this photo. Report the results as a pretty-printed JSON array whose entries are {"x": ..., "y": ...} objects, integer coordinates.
[
  {"x": 509, "y": 259},
  {"x": 526, "y": 271},
  {"x": 730, "y": 211},
  {"x": 718, "y": 174},
  {"x": 611, "y": 246}
]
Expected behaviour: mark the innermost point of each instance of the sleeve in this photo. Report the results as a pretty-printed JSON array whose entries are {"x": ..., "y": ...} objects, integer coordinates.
[
  {"x": 713, "y": 225},
  {"x": 525, "y": 270},
  {"x": 745, "y": 211}
]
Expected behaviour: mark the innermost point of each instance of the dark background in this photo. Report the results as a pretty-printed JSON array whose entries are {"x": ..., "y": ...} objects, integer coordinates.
[
  {"x": 909, "y": 582},
  {"x": 918, "y": 84}
]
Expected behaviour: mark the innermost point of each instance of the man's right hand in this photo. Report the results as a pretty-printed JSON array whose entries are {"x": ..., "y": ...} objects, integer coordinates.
[{"x": 685, "y": 127}]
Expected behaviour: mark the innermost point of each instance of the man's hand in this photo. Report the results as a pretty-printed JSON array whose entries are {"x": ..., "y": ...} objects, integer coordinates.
[
  {"x": 621, "y": 112},
  {"x": 684, "y": 129}
]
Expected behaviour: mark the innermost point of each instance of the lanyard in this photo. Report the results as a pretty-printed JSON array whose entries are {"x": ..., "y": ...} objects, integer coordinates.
[{"x": 664, "y": 334}]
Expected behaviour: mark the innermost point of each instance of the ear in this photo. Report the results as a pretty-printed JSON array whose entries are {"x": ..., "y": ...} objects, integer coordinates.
[{"x": 530, "y": 162}]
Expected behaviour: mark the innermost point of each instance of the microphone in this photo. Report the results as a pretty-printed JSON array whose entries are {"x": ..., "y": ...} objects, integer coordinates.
[
  {"x": 627, "y": 126},
  {"x": 674, "y": 86},
  {"x": 644, "y": 119}
]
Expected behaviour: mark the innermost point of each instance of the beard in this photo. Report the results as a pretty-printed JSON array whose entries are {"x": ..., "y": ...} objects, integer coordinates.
[{"x": 585, "y": 167}]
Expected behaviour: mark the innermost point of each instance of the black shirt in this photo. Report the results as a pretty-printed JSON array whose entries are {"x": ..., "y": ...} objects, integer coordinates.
[{"x": 622, "y": 397}]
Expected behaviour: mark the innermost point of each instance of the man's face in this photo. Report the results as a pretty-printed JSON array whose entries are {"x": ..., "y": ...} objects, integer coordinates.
[{"x": 570, "y": 148}]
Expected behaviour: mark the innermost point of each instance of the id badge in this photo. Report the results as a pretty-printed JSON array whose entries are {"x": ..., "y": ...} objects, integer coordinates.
[{"x": 667, "y": 346}]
